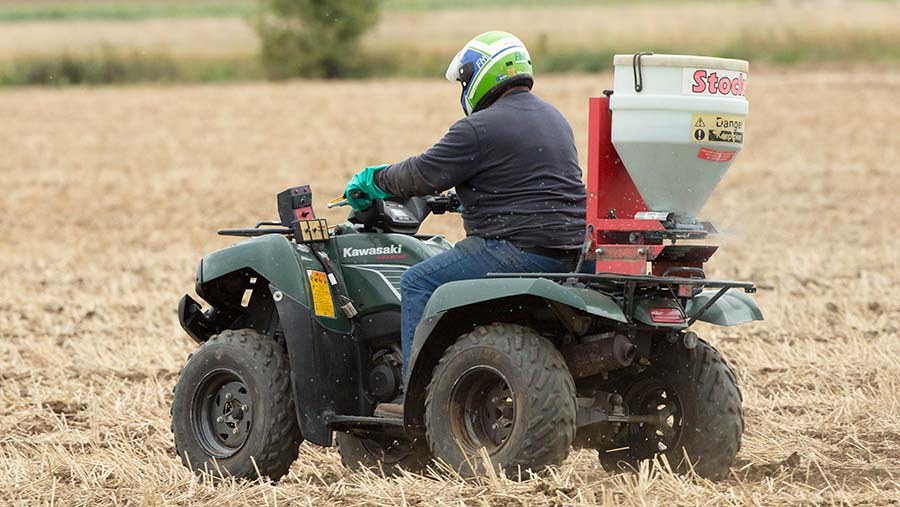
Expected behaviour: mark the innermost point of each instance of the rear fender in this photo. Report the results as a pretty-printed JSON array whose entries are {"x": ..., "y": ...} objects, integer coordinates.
[
  {"x": 467, "y": 292},
  {"x": 733, "y": 308},
  {"x": 456, "y": 308}
]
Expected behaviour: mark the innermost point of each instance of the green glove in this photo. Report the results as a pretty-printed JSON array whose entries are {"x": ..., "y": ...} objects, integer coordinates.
[{"x": 363, "y": 183}]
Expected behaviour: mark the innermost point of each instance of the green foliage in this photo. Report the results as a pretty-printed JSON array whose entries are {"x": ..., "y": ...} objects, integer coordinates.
[
  {"x": 110, "y": 67},
  {"x": 104, "y": 9},
  {"x": 29, "y": 10},
  {"x": 314, "y": 38}
]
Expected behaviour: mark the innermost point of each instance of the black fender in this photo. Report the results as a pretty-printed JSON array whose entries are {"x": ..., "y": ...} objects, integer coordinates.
[{"x": 326, "y": 369}]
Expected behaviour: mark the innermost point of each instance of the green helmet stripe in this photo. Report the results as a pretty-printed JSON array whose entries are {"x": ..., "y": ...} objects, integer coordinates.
[
  {"x": 489, "y": 38},
  {"x": 506, "y": 57},
  {"x": 497, "y": 68}
]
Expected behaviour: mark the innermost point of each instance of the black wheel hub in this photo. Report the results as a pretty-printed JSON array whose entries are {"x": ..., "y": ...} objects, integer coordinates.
[
  {"x": 656, "y": 399},
  {"x": 482, "y": 409},
  {"x": 222, "y": 413}
]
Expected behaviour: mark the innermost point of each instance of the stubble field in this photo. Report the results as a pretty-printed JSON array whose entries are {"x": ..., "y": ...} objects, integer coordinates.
[{"x": 110, "y": 197}]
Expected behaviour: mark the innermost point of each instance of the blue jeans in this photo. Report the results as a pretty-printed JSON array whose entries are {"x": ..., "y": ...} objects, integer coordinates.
[{"x": 471, "y": 258}]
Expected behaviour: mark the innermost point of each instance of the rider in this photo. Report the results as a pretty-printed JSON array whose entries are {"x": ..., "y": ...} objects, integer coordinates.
[{"x": 513, "y": 162}]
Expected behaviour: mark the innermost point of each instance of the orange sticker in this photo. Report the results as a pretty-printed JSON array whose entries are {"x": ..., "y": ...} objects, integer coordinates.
[
  {"x": 715, "y": 155},
  {"x": 318, "y": 285}
]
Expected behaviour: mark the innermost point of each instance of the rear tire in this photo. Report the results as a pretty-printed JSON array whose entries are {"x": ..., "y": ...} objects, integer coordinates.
[
  {"x": 382, "y": 453},
  {"x": 698, "y": 393},
  {"x": 506, "y": 389},
  {"x": 233, "y": 413}
]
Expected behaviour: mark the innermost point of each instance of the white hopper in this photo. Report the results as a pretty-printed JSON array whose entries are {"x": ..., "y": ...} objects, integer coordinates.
[{"x": 678, "y": 134}]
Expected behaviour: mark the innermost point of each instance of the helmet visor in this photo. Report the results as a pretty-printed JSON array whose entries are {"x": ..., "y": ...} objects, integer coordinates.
[{"x": 453, "y": 69}]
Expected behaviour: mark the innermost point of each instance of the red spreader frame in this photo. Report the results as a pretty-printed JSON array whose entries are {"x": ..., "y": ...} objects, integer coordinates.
[{"x": 621, "y": 243}]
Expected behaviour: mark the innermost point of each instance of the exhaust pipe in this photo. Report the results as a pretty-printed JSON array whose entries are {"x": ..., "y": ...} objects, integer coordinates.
[{"x": 598, "y": 354}]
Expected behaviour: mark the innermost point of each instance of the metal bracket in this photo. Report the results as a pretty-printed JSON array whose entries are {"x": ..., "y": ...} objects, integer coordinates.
[
  {"x": 363, "y": 421},
  {"x": 636, "y": 68},
  {"x": 708, "y": 304}
]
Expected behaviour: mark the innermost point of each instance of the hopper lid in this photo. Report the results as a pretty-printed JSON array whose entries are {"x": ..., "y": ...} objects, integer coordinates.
[{"x": 705, "y": 62}]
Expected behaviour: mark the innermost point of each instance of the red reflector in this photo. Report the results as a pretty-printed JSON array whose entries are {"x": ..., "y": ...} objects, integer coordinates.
[
  {"x": 666, "y": 315},
  {"x": 685, "y": 291}
]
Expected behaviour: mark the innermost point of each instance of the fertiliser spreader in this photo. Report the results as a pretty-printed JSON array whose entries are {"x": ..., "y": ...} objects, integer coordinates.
[{"x": 301, "y": 336}]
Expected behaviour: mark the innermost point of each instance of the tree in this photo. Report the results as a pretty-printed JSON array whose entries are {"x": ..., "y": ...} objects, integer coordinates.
[{"x": 314, "y": 38}]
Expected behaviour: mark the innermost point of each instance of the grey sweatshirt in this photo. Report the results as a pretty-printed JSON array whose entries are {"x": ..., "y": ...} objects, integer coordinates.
[{"x": 515, "y": 169}]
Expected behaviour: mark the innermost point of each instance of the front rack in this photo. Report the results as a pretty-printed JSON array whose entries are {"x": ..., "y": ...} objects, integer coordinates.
[
  {"x": 257, "y": 230},
  {"x": 304, "y": 231}
]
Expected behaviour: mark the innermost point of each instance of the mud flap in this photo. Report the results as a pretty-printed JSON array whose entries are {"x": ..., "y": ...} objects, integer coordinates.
[
  {"x": 325, "y": 367},
  {"x": 733, "y": 308}
]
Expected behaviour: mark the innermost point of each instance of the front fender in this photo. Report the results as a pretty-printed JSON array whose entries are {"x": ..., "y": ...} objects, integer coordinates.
[
  {"x": 733, "y": 308},
  {"x": 272, "y": 256}
]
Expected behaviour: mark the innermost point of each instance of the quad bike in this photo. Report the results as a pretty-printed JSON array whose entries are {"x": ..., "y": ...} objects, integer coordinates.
[{"x": 301, "y": 341}]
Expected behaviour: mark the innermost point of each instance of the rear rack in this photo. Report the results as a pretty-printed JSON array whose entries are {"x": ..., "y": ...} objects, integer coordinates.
[
  {"x": 629, "y": 284},
  {"x": 645, "y": 280}
]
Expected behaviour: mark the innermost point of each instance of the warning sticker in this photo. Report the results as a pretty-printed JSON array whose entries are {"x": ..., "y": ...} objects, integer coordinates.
[
  {"x": 318, "y": 285},
  {"x": 717, "y": 128},
  {"x": 715, "y": 155}
]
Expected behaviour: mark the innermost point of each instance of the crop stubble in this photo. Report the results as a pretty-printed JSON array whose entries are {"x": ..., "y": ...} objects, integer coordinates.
[{"x": 110, "y": 196}]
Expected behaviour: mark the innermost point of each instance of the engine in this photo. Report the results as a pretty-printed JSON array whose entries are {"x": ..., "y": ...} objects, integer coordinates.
[{"x": 386, "y": 376}]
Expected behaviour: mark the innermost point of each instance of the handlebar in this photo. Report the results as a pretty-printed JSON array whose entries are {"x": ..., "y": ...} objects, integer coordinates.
[
  {"x": 438, "y": 204},
  {"x": 444, "y": 203},
  {"x": 343, "y": 201}
]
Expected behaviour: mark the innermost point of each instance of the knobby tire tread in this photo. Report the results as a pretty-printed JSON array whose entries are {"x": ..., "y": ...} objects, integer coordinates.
[
  {"x": 282, "y": 447},
  {"x": 551, "y": 422},
  {"x": 714, "y": 439}
]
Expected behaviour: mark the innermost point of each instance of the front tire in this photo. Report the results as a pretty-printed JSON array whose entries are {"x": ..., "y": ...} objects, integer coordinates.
[
  {"x": 232, "y": 413},
  {"x": 505, "y": 389},
  {"x": 696, "y": 394}
]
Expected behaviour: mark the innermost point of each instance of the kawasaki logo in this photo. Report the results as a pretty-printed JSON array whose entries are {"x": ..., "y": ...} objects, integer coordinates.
[{"x": 382, "y": 250}]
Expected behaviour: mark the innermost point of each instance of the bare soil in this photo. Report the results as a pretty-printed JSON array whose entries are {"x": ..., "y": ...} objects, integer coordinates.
[{"x": 111, "y": 196}]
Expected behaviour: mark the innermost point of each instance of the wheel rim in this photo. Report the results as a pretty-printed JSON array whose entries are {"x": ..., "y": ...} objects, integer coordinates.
[
  {"x": 657, "y": 399},
  {"x": 482, "y": 409},
  {"x": 222, "y": 413}
]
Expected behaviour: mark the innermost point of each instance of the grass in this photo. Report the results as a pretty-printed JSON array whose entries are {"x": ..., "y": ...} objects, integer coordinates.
[
  {"x": 571, "y": 37},
  {"x": 17, "y": 10},
  {"x": 109, "y": 66},
  {"x": 41, "y": 11},
  {"x": 139, "y": 178}
]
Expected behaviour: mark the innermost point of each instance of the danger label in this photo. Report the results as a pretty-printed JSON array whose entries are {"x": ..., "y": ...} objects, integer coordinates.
[
  {"x": 321, "y": 293},
  {"x": 717, "y": 128},
  {"x": 715, "y": 155},
  {"x": 714, "y": 82}
]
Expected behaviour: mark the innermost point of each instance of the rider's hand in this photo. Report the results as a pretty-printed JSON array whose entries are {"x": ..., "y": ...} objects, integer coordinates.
[{"x": 364, "y": 183}]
